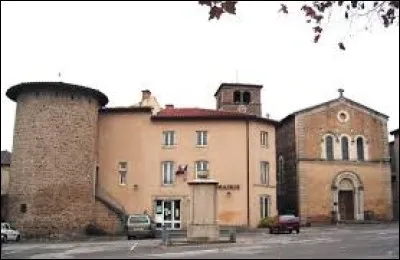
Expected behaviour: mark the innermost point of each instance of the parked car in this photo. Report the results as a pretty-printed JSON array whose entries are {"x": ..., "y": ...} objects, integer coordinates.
[
  {"x": 285, "y": 223},
  {"x": 140, "y": 225},
  {"x": 9, "y": 232}
]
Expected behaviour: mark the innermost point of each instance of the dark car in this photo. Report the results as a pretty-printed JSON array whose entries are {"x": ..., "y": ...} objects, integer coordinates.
[{"x": 285, "y": 223}]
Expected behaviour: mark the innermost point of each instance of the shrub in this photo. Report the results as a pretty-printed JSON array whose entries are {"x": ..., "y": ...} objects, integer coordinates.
[
  {"x": 94, "y": 229},
  {"x": 267, "y": 222}
]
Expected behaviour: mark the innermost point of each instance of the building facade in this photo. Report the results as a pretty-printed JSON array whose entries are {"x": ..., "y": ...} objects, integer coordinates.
[
  {"x": 76, "y": 162},
  {"x": 5, "y": 182},
  {"x": 394, "y": 156},
  {"x": 333, "y": 163}
]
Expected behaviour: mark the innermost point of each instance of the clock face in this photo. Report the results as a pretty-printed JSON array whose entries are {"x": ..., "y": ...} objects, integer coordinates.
[{"x": 242, "y": 109}]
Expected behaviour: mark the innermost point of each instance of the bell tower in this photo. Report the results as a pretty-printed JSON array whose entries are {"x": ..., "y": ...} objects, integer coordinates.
[{"x": 244, "y": 98}]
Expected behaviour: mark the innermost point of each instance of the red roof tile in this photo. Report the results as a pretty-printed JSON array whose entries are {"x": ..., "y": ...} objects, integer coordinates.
[{"x": 197, "y": 112}]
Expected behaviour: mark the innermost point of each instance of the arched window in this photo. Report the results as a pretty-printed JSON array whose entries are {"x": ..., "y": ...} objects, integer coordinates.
[
  {"x": 345, "y": 148},
  {"x": 281, "y": 169},
  {"x": 329, "y": 148},
  {"x": 246, "y": 97},
  {"x": 360, "y": 149},
  {"x": 236, "y": 96}
]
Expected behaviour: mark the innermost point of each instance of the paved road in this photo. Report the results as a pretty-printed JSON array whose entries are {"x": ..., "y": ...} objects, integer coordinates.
[{"x": 357, "y": 241}]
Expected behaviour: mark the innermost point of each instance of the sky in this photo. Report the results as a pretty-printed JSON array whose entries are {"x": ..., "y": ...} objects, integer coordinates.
[{"x": 171, "y": 48}]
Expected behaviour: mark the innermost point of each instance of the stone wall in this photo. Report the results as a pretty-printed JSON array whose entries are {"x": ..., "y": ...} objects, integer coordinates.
[
  {"x": 287, "y": 185},
  {"x": 53, "y": 162},
  {"x": 227, "y": 103}
]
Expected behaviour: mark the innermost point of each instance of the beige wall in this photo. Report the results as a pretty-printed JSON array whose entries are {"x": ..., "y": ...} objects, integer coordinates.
[
  {"x": 316, "y": 178},
  {"x": 134, "y": 138}
]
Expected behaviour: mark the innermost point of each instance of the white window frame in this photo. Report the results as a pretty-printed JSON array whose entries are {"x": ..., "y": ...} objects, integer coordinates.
[
  {"x": 264, "y": 173},
  {"x": 168, "y": 172},
  {"x": 122, "y": 173},
  {"x": 204, "y": 166},
  {"x": 203, "y": 137},
  {"x": 169, "y": 138},
  {"x": 264, "y": 202},
  {"x": 264, "y": 138}
]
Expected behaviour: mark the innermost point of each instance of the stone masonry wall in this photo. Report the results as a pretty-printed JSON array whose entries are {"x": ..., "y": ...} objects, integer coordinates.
[
  {"x": 227, "y": 100},
  {"x": 287, "y": 185},
  {"x": 53, "y": 163}
]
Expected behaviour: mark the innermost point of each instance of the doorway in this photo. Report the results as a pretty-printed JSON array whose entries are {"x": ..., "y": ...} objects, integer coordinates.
[
  {"x": 168, "y": 214},
  {"x": 346, "y": 204}
]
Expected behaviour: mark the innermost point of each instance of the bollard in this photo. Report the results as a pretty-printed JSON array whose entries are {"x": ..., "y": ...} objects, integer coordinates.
[
  {"x": 165, "y": 236},
  {"x": 232, "y": 235}
]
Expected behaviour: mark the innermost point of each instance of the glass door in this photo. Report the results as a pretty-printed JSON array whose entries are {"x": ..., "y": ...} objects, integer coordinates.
[{"x": 168, "y": 213}]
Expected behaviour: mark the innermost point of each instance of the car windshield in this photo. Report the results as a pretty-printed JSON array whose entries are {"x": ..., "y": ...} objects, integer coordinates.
[
  {"x": 287, "y": 217},
  {"x": 138, "y": 219}
]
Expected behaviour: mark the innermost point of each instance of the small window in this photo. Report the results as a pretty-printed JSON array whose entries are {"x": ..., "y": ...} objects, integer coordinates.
[
  {"x": 168, "y": 172},
  {"x": 201, "y": 138},
  {"x": 201, "y": 168},
  {"x": 360, "y": 149},
  {"x": 264, "y": 206},
  {"x": 329, "y": 148},
  {"x": 345, "y": 148},
  {"x": 264, "y": 138},
  {"x": 122, "y": 172},
  {"x": 237, "y": 96},
  {"x": 169, "y": 138},
  {"x": 281, "y": 169},
  {"x": 23, "y": 208},
  {"x": 264, "y": 169},
  {"x": 246, "y": 97}
]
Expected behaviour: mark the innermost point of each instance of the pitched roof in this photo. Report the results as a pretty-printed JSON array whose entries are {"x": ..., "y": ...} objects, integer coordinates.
[
  {"x": 206, "y": 114},
  {"x": 5, "y": 158},
  {"x": 198, "y": 112},
  {"x": 233, "y": 85},
  {"x": 333, "y": 101}
]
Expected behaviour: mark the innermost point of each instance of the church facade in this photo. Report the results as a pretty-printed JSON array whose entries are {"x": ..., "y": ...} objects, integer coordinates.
[{"x": 333, "y": 163}]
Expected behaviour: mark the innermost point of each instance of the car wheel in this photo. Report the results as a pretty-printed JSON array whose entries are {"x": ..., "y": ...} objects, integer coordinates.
[
  {"x": 297, "y": 231},
  {"x": 290, "y": 231},
  {"x": 18, "y": 238},
  {"x": 271, "y": 231},
  {"x": 129, "y": 237},
  {"x": 4, "y": 239}
]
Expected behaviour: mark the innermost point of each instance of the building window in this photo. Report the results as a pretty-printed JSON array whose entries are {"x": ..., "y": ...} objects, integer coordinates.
[
  {"x": 345, "y": 148},
  {"x": 168, "y": 172},
  {"x": 246, "y": 97},
  {"x": 281, "y": 168},
  {"x": 201, "y": 138},
  {"x": 329, "y": 148},
  {"x": 264, "y": 206},
  {"x": 169, "y": 138},
  {"x": 264, "y": 173},
  {"x": 122, "y": 172},
  {"x": 23, "y": 208},
  {"x": 201, "y": 169},
  {"x": 264, "y": 138},
  {"x": 360, "y": 149},
  {"x": 237, "y": 96}
]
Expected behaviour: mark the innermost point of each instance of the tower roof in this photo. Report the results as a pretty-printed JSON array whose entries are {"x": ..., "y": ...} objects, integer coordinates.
[
  {"x": 233, "y": 85},
  {"x": 14, "y": 91}
]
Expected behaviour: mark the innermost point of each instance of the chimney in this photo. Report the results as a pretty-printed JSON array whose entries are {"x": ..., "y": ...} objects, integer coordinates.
[
  {"x": 169, "y": 106},
  {"x": 146, "y": 94}
]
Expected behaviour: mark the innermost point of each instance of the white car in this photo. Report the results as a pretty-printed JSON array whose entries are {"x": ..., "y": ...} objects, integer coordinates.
[{"x": 9, "y": 232}]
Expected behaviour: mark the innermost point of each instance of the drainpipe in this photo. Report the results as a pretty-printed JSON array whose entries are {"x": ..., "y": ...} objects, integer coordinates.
[{"x": 248, "y": 172}]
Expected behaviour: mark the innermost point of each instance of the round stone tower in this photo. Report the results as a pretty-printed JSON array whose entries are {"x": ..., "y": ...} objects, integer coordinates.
[{"x": 54, "y": 154}]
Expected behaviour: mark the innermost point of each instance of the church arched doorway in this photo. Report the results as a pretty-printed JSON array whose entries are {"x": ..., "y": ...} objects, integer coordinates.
[{"x": 348, "y": 196}]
